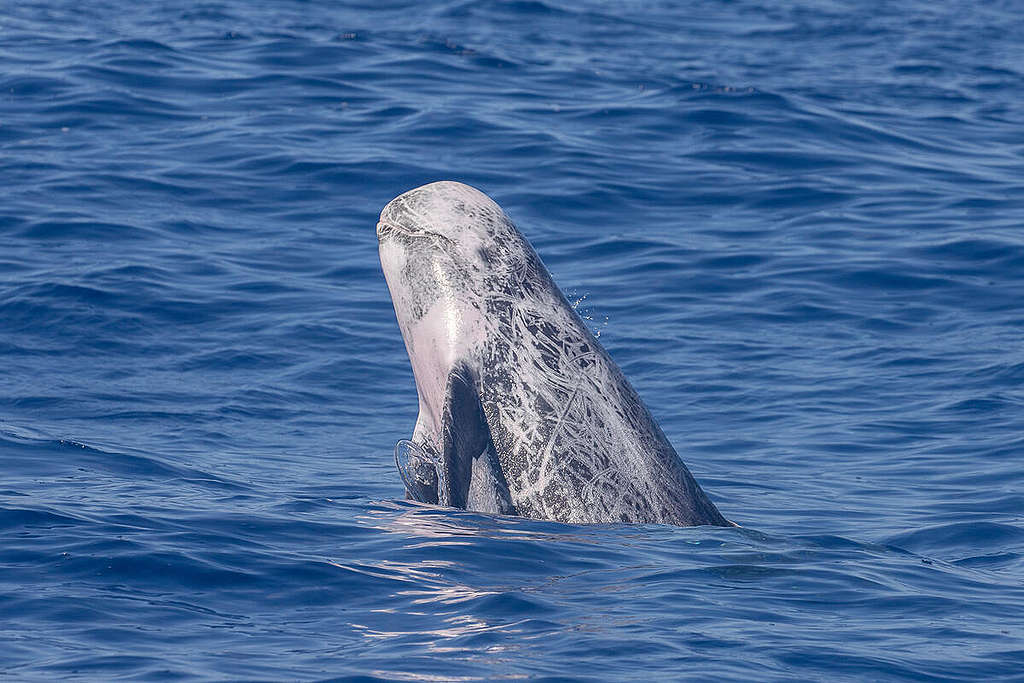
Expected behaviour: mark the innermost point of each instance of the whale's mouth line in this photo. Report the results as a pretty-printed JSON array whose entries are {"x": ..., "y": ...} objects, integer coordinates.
[
  {"x": 388, "y": 229},
  {"x": 385, "y": 228}
]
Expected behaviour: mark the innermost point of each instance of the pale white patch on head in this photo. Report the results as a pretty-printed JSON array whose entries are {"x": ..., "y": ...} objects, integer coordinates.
[
  {"x": 432, "y": 242},
  {"x": 458, "y": 213}
]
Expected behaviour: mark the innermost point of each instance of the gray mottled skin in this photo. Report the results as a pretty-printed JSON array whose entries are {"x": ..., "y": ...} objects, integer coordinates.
[{"x": 521, "y": 408}]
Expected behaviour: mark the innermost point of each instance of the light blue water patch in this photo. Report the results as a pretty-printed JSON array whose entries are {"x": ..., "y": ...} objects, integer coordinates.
[{"x": 798, "y": 229}]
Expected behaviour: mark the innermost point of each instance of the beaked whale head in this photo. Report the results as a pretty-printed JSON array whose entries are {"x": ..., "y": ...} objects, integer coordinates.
[
  {"x": 447, "y": 239},
  {"x": 521, "y": 410},
  {"x": 446, "y": 250},
  {"x": 450, "y": 256}
]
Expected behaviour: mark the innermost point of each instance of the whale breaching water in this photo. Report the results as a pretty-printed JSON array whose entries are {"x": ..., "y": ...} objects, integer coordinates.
[{"x": 521, "y": 411}]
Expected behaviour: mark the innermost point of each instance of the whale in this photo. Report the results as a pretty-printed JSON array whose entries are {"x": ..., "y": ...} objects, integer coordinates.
[{"x": 521, "y": 410}]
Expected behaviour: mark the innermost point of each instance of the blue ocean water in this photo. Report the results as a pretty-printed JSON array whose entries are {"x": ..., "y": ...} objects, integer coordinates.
[{"x": 798, "y": 228}]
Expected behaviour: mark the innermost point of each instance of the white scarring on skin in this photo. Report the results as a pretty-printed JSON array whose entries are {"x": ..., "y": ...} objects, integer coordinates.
[{"x": 521, "y": 406}]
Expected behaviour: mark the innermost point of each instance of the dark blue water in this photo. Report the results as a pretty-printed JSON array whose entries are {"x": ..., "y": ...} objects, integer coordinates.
[{"x": 799, "y": 229}]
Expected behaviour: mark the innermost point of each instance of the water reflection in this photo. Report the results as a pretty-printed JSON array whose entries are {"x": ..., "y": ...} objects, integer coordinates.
[{"x": 431, "y": 521}]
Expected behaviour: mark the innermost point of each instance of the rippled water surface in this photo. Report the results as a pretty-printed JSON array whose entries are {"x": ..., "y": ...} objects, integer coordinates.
[{"x": 799, "y": 228}]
